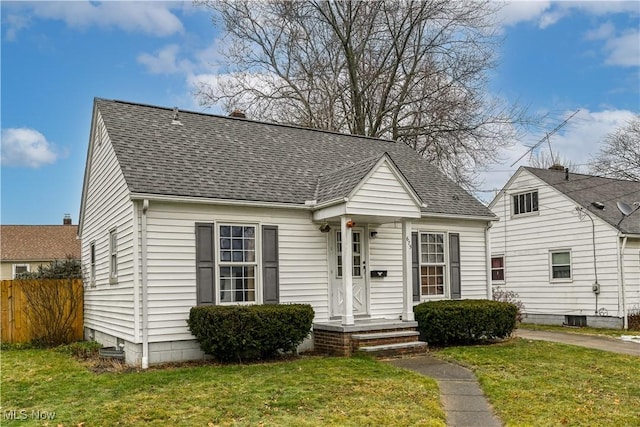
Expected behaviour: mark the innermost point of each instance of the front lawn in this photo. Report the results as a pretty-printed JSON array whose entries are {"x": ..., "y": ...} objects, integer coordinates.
[
  {"x": 305, "y": 392},
  {"x": 615, "y": 333},
  {"x": 537, "y": 383}
]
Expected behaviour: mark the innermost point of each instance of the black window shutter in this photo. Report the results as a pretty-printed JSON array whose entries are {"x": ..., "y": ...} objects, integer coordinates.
[
  {"x": 415, "y": 266},
  {"x": 270, "y": 277},
  {"x": 205, "y": 264},
  {"x": 454, "y": 265}
]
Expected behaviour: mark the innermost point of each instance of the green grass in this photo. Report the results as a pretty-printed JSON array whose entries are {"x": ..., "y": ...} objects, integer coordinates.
[
  {"x": 304, "y": 392},
  {"x": 537, "y": 383},
  {"x": 583, "y": 330}
]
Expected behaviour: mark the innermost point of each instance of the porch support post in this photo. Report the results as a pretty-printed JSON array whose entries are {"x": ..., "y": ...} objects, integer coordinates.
[
  {"x": 407, "y": 277},
  {"x": 347, "y": 271}
]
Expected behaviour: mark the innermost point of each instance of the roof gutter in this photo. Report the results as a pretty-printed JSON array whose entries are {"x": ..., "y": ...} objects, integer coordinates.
[
  {"x": 455, "y": 216},
  {"x": 213, "y": 201}
]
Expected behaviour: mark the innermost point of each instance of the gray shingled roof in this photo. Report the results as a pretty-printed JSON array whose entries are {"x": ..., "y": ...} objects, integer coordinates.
[
  {"x": 221, "y": 157},
  {"x": 587, "y": 189},
  {"x": 341, "y": 182}
]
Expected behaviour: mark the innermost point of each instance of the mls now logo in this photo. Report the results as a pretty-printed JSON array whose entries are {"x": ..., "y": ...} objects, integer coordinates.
[{"x": 22, "y": 414}]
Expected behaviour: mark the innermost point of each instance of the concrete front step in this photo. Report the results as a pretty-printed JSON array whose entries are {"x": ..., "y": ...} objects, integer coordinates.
[
  {"x": 382, "y": 335},
  {"x": 396, "y": 349}
]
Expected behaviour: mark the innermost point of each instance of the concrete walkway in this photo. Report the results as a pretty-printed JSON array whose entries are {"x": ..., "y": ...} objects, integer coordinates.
[
  {"x": 614, "y": 345},
  {"x": 463, "y": 400}
]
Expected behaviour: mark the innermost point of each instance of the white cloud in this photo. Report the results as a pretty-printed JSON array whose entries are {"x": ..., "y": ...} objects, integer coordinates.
[
  {"x": 165, "y": 61},
  {"x": 603, "y": 32},
  {"x": 153, "y": 18},
  {"x": 26, "y": 147},
  {"x": 624, "y": 50},
  {"x": 514, "y": 12},
  {"x": 546, "y": 13},
  {"x": 577, "y": 142}
]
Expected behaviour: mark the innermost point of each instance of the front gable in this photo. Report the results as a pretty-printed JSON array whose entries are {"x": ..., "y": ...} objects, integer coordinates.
[{"x": 382, "y": 192}]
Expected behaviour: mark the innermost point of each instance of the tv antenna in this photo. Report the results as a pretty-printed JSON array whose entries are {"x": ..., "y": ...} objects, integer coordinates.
[{"x": 546, "y": 138}]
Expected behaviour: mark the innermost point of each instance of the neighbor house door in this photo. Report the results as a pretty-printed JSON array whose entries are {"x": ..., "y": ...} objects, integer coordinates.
[{"x": 360, "y": 291}]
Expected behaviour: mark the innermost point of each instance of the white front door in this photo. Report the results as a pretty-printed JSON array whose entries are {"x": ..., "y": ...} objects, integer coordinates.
[{"x": 360, "y": 294}]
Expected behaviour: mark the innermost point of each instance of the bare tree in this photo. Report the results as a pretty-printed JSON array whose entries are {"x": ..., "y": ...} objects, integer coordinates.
[
  {"x": 411, "y": 71},
  {"x": 620, "y": 155},
  {"x": 545, "y": 160}
]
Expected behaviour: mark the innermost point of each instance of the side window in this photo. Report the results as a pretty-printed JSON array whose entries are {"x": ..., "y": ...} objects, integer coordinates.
[
  {"x": 525, "y": 203},
  {"x": 560, "y": 265},
  {"x": 19, "y": 269},
  {"x": 497, "y": 268},
  {"x": 113, "y": 256}
]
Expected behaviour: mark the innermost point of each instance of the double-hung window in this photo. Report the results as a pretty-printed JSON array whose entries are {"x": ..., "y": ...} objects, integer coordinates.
[
  {"x": 19, "y": 269},
  {"x": 432, "y": 264},
  {"x": 524, "y": 203},
  {"x": 561, "y": 265},
  {"x": 497, "y": 269},
  {"x": 237, "y": 263},
  {"x": 113, "y": 256}
]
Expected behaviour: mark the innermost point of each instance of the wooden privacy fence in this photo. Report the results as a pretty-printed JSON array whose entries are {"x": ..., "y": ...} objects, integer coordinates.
[{"x": 18, "y": 322}]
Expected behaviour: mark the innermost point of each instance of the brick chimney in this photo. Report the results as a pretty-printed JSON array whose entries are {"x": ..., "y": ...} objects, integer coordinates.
[
  {"x": 238, "y": 113},
  {"x": 66, "y": 220},
  {"x": 556, "y": 167}
]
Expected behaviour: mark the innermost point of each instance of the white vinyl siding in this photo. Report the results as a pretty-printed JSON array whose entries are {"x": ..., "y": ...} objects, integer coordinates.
[
  {"x": 384, "y": 195},
  {"x": 525, "y": 242},
  {"x": 108, "y": 308},
  {"x": 302, "y": 254}
]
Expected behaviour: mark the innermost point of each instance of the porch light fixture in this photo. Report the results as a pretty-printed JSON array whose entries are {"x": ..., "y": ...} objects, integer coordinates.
[
  {"x": 350, "y": 224},
  {"x": 325, "y": 228},
  {"x": 373, "y": 234}
]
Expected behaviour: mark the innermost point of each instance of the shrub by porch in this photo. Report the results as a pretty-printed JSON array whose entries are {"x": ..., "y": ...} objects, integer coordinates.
[
  {"x": 250, "y": 332},
  {"x": 465, "y": 321}
]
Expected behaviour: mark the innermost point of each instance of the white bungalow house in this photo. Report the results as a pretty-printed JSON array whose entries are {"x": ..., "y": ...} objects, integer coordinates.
[
  {"x": 566, "y": 248},
  {"x": 183, "y": 208}
]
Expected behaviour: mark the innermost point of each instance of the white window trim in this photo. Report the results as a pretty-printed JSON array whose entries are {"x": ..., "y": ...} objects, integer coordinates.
[
  {"x": 524, "y": 214},
  {"x": 446, "y": 265},
  {"x": 257, "y": 263},
  {"x": 338, "y": 254},
  {"x": 113, "y": 253},
  {"x": 560, "y": 280},
  {"x": 504, "y": 269},
  {"x": 14, "y": 266}
]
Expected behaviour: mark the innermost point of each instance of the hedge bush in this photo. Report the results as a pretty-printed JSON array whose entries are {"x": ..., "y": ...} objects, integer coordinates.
[
  {"x": 465, "y": 321},
  {"x": 250, "y": 332}
]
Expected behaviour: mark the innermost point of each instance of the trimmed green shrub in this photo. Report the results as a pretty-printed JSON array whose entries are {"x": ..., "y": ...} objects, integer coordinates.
[
  {"x": 465, "y": 321},
  {"x": 250, "y": 331}
]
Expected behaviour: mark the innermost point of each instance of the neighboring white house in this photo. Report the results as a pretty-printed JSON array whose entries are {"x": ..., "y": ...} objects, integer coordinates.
[
  {"x": 566, "y": 248},
  {"x": 182, "y": 208}
]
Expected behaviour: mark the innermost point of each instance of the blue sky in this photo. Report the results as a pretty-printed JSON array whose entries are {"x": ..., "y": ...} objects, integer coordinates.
[{"x": 557, "y": 57}]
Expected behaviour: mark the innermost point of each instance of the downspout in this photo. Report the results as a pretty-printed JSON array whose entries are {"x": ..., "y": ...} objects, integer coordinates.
[
  {"x": 487, "y": 250},
  {"x": 625, "y": 320},
  {"x": 145, "y": 294}
]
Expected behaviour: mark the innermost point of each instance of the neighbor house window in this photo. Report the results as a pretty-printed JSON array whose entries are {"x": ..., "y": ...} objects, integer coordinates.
[
  {"x": 432, "y": 264},
  {"x": 237, "y": 263},
  {"x": 497, "y": 269},
  {"x": 92, "y": 277},
  {"x": 525, "y": 203},
  {"x": 561, "y": 265},
  {"x": 113, "y": 256},
  {"x": 19, "y": 269}
]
